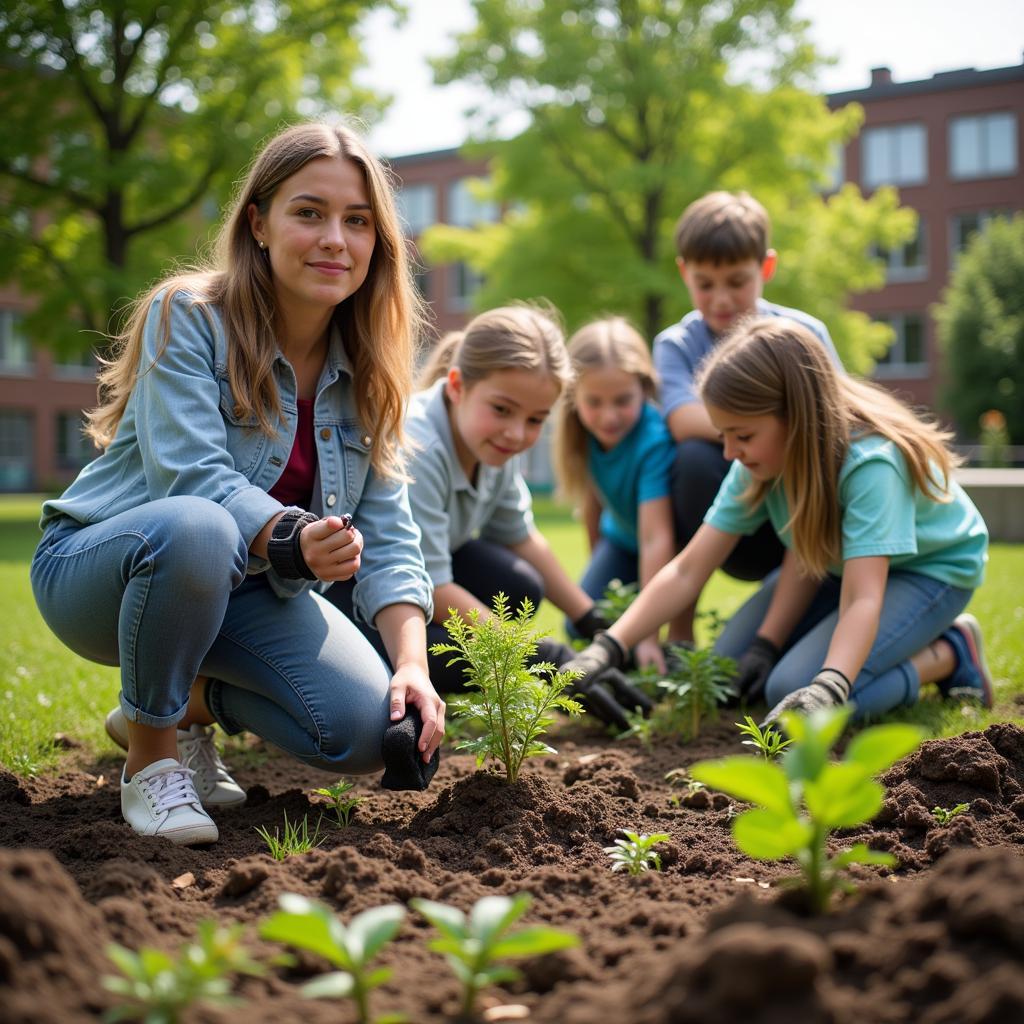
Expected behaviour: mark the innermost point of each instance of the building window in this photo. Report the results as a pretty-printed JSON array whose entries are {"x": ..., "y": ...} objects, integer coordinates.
[
  {"x": 894, "y": 155},
  {"x": 15, "y": 351},
  {"x": 417, "y": 206},
  {"x": 465, "y": 283},
  {"x": 81, "y": 365},
  {"x": 465, "y": 210},
  {"x": 964, "y": 226},
  {"x": 908, "y": 262},
  {"x": 983, "y": 146},
  {"x": 15, "y": 450},
  {"x": 906, "y": 356},
  {"x": 74, "y": 449}
]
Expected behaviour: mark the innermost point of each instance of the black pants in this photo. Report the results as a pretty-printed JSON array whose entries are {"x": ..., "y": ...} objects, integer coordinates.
[
  {"x": 697, "y": 474},
  {"x": 484, "y": 569}
]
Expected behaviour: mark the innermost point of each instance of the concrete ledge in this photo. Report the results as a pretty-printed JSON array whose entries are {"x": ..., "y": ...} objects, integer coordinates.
[{"x": 999, "y": 495}]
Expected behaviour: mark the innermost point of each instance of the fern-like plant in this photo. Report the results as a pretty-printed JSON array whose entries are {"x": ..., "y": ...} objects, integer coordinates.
[{"x": 701, "y": 682}]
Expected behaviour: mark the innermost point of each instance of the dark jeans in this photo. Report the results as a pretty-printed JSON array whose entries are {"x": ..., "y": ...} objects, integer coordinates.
[
  {"x": 697, "y": 474},
  {"x": 484, "y": 569}
]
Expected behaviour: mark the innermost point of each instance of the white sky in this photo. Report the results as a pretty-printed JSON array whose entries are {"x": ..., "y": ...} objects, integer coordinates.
[{"x": 915, "y": 38}]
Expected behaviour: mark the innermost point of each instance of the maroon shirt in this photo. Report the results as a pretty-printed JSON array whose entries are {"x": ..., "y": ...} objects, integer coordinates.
[{"x": 295, "y": 485}]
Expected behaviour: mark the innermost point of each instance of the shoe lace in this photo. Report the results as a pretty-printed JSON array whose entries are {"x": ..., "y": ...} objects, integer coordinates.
[
  {"x": 200, "y": 754},
  {"x": 172, "y": 787}
]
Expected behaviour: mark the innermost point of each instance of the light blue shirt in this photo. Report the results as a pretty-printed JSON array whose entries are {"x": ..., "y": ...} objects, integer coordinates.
[
  {"x": 450, "y": 508},
  {"x": 883, "y": 513},
  {"x": 680, "y": 350},
  {"x": 180, "y": 435}
]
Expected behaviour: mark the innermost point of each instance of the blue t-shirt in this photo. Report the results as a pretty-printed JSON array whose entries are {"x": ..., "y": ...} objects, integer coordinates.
[
  {"x": 680, "y": 349},
  {"x": 883, "y": 514},
  {"x": 634, "y": 471}
]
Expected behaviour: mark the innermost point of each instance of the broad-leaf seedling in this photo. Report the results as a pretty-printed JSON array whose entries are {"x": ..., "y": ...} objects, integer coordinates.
[
  {"x": 296, "y": 838},
  {"x": 636, "y": 854},
  {"x": 804, "y": 796},
  {"x": 474, "y": 944},
  {"x": 768, "y": 741},
  {"x": 944, "y": 815},
  {"x": 701, "y": 682},
  {"x": 306, "y": 924},
  {"x": 510, "y": 701},
  {"x": 341, "y": 803}
]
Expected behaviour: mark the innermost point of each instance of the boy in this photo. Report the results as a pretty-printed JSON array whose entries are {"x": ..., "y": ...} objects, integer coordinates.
[{"x": 725, "y": 262}]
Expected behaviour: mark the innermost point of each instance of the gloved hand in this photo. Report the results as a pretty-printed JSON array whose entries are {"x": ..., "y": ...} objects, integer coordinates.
[
  {"x": 828, "y": 689},
  {"x": 590, "y": 623},
  {"x": 602, "y": 688},
  {"x": 553, "y": 651},
  {"x": 754, "y": 667}
]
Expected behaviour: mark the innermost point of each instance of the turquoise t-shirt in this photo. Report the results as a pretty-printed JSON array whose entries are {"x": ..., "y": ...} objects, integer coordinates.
[
  {"x": 883, "y": 514},
  {"x": 634, "y": 471}
]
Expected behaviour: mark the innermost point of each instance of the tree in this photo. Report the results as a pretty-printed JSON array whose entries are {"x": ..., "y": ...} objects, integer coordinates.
[
  {"x": 126, "y": 122},
  {"x": 637, "y": 107},
  {"x": 981, "y": 329}
]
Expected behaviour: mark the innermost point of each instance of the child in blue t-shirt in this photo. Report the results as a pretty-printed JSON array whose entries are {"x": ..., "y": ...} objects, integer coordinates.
[
  {"x": 883, "y": 548},
  {"x": 614, "y": 455}
]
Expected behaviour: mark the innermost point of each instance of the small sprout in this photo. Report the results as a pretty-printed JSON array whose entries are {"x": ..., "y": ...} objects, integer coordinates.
[
  {"x": 702, "y": 681},
  {"x": 296, "y": 838},
  {"x": 640, "y": 728},
  {"x": 769, "y": 742},
  {"x": 944, "y": 815},
  {"x": 342, "y": 804},
  {"x": 635, "y": 853},
  {"x": 306, "y": 924},
  {"x": 160, "y": 988},
  {"x": 473, "y": 944}
]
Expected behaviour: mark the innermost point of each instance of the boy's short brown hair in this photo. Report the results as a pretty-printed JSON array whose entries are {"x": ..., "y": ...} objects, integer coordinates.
[{"x": 723, "y": 227}]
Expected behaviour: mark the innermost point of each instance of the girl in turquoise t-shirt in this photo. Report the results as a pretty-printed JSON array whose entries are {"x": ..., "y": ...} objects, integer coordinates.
[
  {"x": 884, "y": 549},
  {"x": 614, "y": 455}
]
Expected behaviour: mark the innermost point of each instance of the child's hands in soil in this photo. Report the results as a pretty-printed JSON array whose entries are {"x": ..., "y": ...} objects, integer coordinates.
[
  {"x": 411, "y": 685},
  {"x": 332, "y": 548}
]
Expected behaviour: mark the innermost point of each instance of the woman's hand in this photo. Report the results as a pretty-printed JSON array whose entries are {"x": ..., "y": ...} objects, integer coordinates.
[
  {"x": 411, "y": 685},
  {"x": 331, "y": 549},
  {"x": 649, "y": 652}
]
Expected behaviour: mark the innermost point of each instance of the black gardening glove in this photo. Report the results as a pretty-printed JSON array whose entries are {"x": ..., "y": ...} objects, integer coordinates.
[
  {"x": 554, "y": 652},
  {"x": 753, "y": 669},
  {"x": 590, "y": 623},
  {"x": 404, "y": 767},
  {"x": 602, "y": 688},
  {"x": 828, "y": 689}
]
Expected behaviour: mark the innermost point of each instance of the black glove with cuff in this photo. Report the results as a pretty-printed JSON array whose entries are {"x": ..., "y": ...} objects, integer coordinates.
[
  {"x": 590, "y": 623},
  {"x": 283, "y": 550},
  {"x": 404, "y": 767},
  {"x": 602, "y": 688},
  {"x": 754, "y": 668},
  {"x": 828, "y": 689}
]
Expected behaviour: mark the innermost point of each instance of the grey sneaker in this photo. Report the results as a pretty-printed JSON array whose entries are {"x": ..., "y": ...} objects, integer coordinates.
[
  {"x": 196, "y": 751},
  {"x": 161, "y": 801}
]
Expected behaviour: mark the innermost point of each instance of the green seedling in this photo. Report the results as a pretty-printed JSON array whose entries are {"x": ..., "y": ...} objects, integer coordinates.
[
  {"x": 636, "y": 854},
  {"x": 617, "y": 598},
  {"x": 305, "y": 924},
  {"x": 943, "y": 815},
  {"x": 509, "y": 701},
  {"x": 805, "y": 795},
  {"x": 341, "y": 803},
  {"x": 159, "y": 988},
  {"x": 768, "y": 741},
  {"x": 700, "y": 683},
  {"x": 473, "y": 944},
  {"x": 296, "y": 838},
  {"x": 639, "y": 728}
]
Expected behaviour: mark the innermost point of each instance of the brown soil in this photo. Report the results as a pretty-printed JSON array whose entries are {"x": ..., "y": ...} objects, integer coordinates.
[{"x": 711, "y": 938}]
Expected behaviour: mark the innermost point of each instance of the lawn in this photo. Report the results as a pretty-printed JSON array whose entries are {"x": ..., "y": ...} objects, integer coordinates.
[{"x": 46, "y": 690}]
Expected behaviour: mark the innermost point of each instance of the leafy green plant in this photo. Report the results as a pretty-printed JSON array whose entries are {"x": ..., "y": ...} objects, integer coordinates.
[
  {"x": 701, "y": 681},
  {"x": 511, "y": 701},
  {"x": 473, "y": 944},
  {"x": 640, "y": 728},
  {"x": 636, "y": 854},
  {"x": 944, "y": 815},
  {"x": 296, "y": 838},
  {"x": 768, "y": 741},
  {"x": 617, "y": 598},
  {"x": 158, "y": 988},
  {"x": 805, "y": 795},
  {"x": 305, "y": 924},
  {"x": 341, "y": 803}
]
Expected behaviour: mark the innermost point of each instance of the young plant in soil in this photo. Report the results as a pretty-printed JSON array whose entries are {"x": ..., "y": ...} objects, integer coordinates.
[
  {"x": 944, "y": 815},
  {"x": 768, "y": 741},
  {"x": 701, "y": 682},
  {"x": 306, "y": 924},
  {"x": 474, "y": 944},
  {"x": 341, "y": 803},
  {"x": 615, "y": 601},
  {"x": 296, "y": 838},
  {"x": 159, "y": 988},
  {"x": 509, "y": 701},
  {"x": 806, "y": 795},
  {"x": 636, "y": 854}
]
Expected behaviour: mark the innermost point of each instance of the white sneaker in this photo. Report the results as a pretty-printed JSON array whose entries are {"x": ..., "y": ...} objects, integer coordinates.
[
  {"x": 161, "y": 800},
  {"x": 196, "y": 750}
]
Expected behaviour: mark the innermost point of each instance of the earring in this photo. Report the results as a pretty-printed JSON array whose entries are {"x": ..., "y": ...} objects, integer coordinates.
[{"x": 262, "y": 244}]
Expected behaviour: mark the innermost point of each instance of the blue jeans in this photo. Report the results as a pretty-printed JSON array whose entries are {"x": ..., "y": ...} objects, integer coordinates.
[
  {"x": 609, "y": 561},
  {"x": 161, "y": 591},
  {"x": 915, "y": 610}
]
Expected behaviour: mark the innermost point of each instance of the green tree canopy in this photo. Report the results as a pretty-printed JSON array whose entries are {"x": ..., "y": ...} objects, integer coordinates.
[
  {"x": 126, "y": 122},
  {"x": 981, "y": 329},
  {"x": 638, "y": 107}
]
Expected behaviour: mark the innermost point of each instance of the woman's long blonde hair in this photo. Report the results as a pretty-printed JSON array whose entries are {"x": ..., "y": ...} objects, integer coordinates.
[
  {"x": 379, "y": 322},
  {"x": 610, "y": 343},
  {"x": 774, "y": 366}
]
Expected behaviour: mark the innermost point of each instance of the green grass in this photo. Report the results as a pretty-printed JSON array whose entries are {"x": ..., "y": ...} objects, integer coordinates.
[{"x": 45, "y": 689}]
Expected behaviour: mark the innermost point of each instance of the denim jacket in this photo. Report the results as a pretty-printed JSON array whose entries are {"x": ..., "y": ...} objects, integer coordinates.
[{"x": 180, "y": 435}]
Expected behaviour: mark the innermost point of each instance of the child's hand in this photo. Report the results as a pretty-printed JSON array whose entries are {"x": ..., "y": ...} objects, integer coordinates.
[
  {"x": 828, "y": 689},
  {"x": 649, "y": 653},
  {"x": 332, "y": 548},
  {"x": 411, "y": 685}
]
